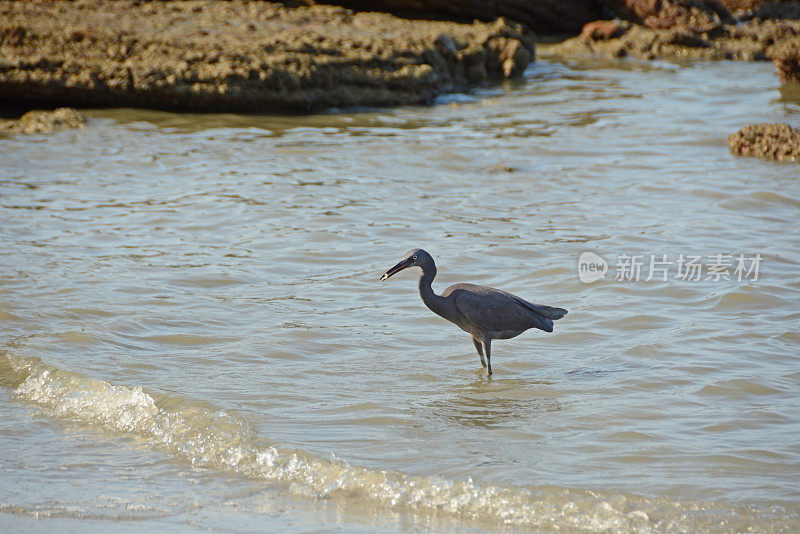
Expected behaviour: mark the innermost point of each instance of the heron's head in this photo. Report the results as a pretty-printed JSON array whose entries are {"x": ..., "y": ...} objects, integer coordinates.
[{"x": 413, "y": 258}]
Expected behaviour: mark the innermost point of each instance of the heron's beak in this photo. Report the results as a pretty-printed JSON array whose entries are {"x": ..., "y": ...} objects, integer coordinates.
[{"x": 397, "y": 268}]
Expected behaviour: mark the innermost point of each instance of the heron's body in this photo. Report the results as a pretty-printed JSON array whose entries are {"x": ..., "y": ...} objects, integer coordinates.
[{"x": 483, "y": 312}]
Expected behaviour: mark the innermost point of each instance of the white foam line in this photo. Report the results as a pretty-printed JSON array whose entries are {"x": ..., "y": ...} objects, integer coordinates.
[{"x": 213, "y": 439}]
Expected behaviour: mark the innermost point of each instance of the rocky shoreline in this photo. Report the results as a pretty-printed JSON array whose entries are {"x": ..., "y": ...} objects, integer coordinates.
[
  {"x": 241, "y": 56},
  {"x": 745, "y": 30},
  {"x": 749, "y": 30},
  {"x": 253, "y": 56},
  {"x": 752, "y": 41}
]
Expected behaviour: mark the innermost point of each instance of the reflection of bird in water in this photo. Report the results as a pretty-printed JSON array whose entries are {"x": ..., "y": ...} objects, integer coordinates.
[
  {"x": 483, "y": 312},
  {"x": 494, "y": 404}
]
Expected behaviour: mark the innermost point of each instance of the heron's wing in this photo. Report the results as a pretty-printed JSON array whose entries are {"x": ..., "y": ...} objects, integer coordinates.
[{"x": 497, "y": 311}]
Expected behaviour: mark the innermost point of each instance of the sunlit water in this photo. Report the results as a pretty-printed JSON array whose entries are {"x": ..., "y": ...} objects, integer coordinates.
[{"x": 194, "y": 335}]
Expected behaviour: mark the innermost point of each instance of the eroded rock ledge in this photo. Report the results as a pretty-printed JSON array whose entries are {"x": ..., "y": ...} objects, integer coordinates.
[{"x": 241, "y": 56}]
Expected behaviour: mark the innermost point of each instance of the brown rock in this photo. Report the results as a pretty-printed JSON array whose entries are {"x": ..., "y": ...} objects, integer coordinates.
[
  {"x": 753, "y": 40},
  {"x": 765, "y": 9},
  {"x": 542, "y": 16},
  {"x": 44, "y": 121},
  {"x": 660, "y": 14},
  {"x": 241, "y": 56},
  {"x": 771, "y": 141},
  {"x": 603, "y": 30},
  {"x": 741, "y": 5},
  {"x": 786, "y": 56},
  {"x": 554, "y": 16}
]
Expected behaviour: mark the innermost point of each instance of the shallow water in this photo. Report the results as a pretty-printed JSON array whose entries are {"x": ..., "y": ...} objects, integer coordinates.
[{"x": 194, "y": 336}]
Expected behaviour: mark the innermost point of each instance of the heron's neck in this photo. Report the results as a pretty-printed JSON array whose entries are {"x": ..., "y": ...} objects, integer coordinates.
[{"x": 431, "y": 299}]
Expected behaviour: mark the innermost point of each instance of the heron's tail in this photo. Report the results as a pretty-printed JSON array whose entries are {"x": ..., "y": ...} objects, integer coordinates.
[{"x": 548, "y": 312}]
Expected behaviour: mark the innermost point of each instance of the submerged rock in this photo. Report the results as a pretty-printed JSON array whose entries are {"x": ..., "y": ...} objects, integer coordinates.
[
  {"x": 771, "y": 141},
  {"x": 44, "y": 121},
  {"x": 241, "y": 56}
]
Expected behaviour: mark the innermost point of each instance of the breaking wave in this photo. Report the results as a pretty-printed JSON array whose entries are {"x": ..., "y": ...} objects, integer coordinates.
[{"x": 210, "y": 438}]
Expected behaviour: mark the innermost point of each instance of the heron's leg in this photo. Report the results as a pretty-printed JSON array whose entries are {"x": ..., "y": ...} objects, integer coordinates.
[
  {"x": 487, "y": 348},
  {"x": 479, "y": 348}
]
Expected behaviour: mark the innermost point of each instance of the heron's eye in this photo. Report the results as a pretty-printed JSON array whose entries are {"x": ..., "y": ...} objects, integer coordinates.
[{"x": 415, "y": 258}]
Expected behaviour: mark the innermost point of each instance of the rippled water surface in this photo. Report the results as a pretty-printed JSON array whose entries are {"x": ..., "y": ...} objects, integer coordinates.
[{"x": 194, "y": 336}]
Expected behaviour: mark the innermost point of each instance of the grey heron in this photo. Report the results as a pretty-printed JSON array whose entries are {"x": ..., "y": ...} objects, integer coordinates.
[{"x": 483, "y": 312}]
